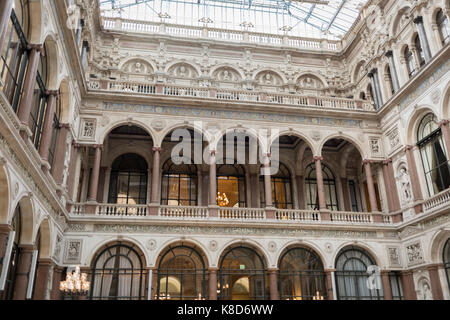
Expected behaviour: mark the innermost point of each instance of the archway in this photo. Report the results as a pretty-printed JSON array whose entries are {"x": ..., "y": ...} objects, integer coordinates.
[{"x": 242, "y": 274}]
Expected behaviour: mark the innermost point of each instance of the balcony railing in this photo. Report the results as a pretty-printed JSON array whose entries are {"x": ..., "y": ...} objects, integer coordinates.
[
  {"x": 183, "y": 212},
  {"x": 231, "y": 95},
  {"x": 439, "y": 201},
  {"x": 149, "y": 27},
  {"x": 352, "y": 217},
  {"x": 242, "y": 214},
  {"x": 297, "y": 215}
]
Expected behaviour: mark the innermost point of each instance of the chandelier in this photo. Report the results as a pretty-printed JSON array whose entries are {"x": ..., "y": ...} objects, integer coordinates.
[
  {"x": 222, "y": 199},
  {"x": 75, "y": 283}
]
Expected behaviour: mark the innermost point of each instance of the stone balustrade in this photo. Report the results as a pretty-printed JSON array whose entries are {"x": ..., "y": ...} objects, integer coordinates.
[
  {"x": 441, "y": 200},
  {"x": 183, "y": 212},
  {"x": 242, "y": 213},
  {"x": 121, "y": 210},
  {"x": 351, "y": 217},
  {"x": 231, "y": 95},
  {"x": 297, "y": 215},
  {"x": 149, "y": 27}
]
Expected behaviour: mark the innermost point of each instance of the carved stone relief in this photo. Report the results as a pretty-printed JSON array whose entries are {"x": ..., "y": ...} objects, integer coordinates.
[
  {"x": 87, "y": 129},
  {"x": 414, "y": 253},
  {"x": 73, "y": 251}
]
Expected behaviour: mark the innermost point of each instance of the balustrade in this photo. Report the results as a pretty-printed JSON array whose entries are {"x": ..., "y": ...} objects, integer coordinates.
[{"x": 440, "y": 200}]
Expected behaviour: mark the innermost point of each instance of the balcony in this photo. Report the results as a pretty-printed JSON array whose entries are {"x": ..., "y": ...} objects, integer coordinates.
[{"x": 230, "y": 95}]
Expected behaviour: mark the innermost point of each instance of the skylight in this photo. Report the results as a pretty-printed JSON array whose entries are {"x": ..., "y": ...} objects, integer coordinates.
[{"x": 304, "y": 18}]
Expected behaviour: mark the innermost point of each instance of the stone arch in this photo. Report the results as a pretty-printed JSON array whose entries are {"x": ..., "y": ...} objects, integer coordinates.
[
  {"x": 186, "y": 242},
  {"x": 302, "y": 244},
  {"x": 27, "y": 216},
  {"x": 401, "y": 12},
  {"x": 345, "y": 137},
  {"x": 297, "y": 134},
  {"x": 90, "y": 259},
  {"x": 36, "y": 22},
  {"x": 279, "y": 78},
  {"x": 65, "y": 97},
  {"x": 216, "y": 71},
  {"x": 148, "y": 67},
  {"x": 318, "y": 80},
  {"x": 45, "y": 241},
  {"x": 127, "y": 122},
  {"x": 251, "y": 244},
  {"x": 5, "y": 193},
  {"x": 436, "y": 245},
  {"x": 250, "y": 132},
  {"x": 363, "y": 246},
  {"x": 357, "y": 71},
  {"x": 168, "y": 130},
  {"x": 174, "y": 69},
  {"x": 414, "y": 121},
  {"x": 446, "y": 103},
  {"x": 51, "y": 49}
]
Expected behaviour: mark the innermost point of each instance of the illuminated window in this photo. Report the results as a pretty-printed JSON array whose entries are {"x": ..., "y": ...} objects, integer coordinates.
[{"x": 179, "y": 184}]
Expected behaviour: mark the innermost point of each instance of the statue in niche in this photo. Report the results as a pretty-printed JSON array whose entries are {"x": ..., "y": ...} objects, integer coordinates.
[
  {"x": 226, "y": 75},
  {"x": 405, "y": 185},
  {"x": 182, "y": 72},
  {"x": 268, "y": 78},
  {"x": 425, "y": 291},
  {"x": 138, "y": 67}
]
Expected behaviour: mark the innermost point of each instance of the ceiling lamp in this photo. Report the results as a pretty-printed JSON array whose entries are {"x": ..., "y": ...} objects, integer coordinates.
[
  {"x": 76, "y": 283},
  {"x": 222, "y": 199}
]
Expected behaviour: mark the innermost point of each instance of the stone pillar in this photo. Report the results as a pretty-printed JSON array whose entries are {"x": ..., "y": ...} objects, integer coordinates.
[
  {"x": 212, "y": 284},
  {"x": 5, "y": 16},
  {"x": 415, "y": 182},
  {"x": 386, "y": 285},
  {"x": 74, "y": 171},
  {"x": 370, "y": 186},
  {"x": 212, "y": 180},
  {"x": 205, "y": 188},
  {"x": 346, "y": 194},
  {"x": 254, "y": 189},
  {"x": 445, "y": 128},
  {"x": 47, "y": 129},
  {"x": 27, "y": 101},
  {"x": 155, "y": 174},
  {"x": 409, "y": 292},
  {"x": 320, "y": 187},
  {"x": 23, "y": 271},
  {"x": 294, "y": 193},
  {"x": 93, "y": 185},
  {"x": 436, "y": 287},
  {"x": 375, "y": 96},
  {"x": 58, "y": 276},
  {"x": 42, "y": 273},
  {"x": 267, "y": 184},
  {"x": 299, "y": 180},
  {"x": 377, "y": 89},
  {"x": 60, "y": 154},
  {"x": 423, "y": 38},
  {"x": 393, "y": 186},
  {"x": 5, "y": 229},
  {"x": 387, "y": 183},
  {"x": 329, "y": 274},
  {"x": 393, "y": 70},
  {"x": 273, "y": 284}
]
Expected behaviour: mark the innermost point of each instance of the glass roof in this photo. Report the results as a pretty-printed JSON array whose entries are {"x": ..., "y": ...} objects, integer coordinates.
[{"x": 304, "y": 18}]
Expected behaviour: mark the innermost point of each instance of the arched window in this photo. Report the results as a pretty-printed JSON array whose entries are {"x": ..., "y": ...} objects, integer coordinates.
[
  {"x": 410, "y": 63},
  {"x": 128, "y": 183},
  {"x": 179, "y": 184},
  {"x": 10, "y": 283},
  {"x": 40, "y": 99},
  {"x": 301, "y": 275},
  {"x": 14, "y": 55},
  {"x": 352, "y": 277},
  {"x": 432, "y": 151},
  {"x": 443, "y": 27},
  {"x": 242, "y": 275},
  {"x": 281, "y": 188},
  {"x": 446, "y": 260},
  {"x": 420, "y": 51},
  {"x": 118, "y": 274},
  {"x": 329, "y": 183},
  {"x": 231, "y": 185},
  {"x": 181, "y": 274}
]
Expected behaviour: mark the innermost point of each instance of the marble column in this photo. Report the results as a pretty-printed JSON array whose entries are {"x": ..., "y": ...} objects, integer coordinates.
[
  {"x": 320, "y": 186},
  {"x": 93, "y": 185},
  {"x": 370, "y": 186},
  {"x": 212, "y": 284},
  {"x": 436, "y": 287},
  {"x": 212, "y": 180},
  {"x": 387, "y": 183},
  {"x": 377, "y": 87},
  {"x": 47, "y": 129},
  {"x": 58, "y": 276},
  {"x": 74, "y": 171},
  {"x": 60, "y": 154},
  {"x": 414, "y": 176},
  {"x": 329, "y": 274},
  {"x": 267, "y": 184},
  {"x": 5, "y": 229},
  {"x": 423, "y": 38},
  {"x": 273, "y": 284},
  {"x": 26, "y": 102},
  {"x": 155, "y": 174},
  {"x": 393, "y": 70},
  {"x": 5, "y": 17},
  {"x": 23, "y": 271},
  {"x": 346, "y": 194},
  {"x": 409, "y": 292},
  {"x": 300, "y": 181},
  {"x": 294, "y": 195},
  {"x": 386, "y": 285},
  {"x": 394, "y": 196},
  {"x": 42, "y": 274},
  {"x": 374, "y": 92},
  {"x": 445, "y": 129}
]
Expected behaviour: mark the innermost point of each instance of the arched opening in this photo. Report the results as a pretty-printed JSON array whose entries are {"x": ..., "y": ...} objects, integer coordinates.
[
  {"x": 231, "y": 186},
  {"x": 179, "y": 184},
  {"x": 16, "y": 224},
  {"x": 14, "y": 55},
  {"x": 410, "y": 62},
  {"x": 301, "y": 275},
  {"x": 388, "y": 78},
  {"x": 281, "y": 182},
  {"x": 242, "y": 275},
  {"x": 128, "y": 182},
  {"x": 352, "y": 276},
  {"x": 446, "y": 260},
  {"x": 118, "y": 273},
  {"x": 181, "y": 274},
  {"x": 443, "y": 27},
  {"x": 434, "y": 160}
]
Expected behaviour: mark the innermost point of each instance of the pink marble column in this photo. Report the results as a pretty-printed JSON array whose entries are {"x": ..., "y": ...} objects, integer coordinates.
[
  {"x": 387, "y": 183},
  {"x": 5, "y": 17},
  {"x": 60, "y": 154},
  {"x": 409, "y": 292},
  {"x": 212, "y": 179},
  {"x": 386, "y": 285},
  {"x": 445, "y": 128},
  {"x": 320, "y": 187},
  {"x": 4, "y": 235},
  {"x": 329, "y": 274},
  {"x": 93, "y": 186},
  {"x": 415, "y": 182},
  {"x": 212, "y": 284},
  {"x": 26, "y": 101},
  {"x": 273, "y": 284},
  {"x": 42, "y": 273},
  {"x": 370, "y": 186},
  {"x": 300, "y": 191},
  {"x": 205, "y": 188},
  {"x": 23, "y": 271},
  {"x": 47, "y": 129},
  {"x": 436, "y": 287},
  {"x": 72, "y": 169},
  {"x": 155, "y": 174},
  {"x": 394, "y": 190}
]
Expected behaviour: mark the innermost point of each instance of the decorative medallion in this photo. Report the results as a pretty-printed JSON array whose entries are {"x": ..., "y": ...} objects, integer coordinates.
[{"x": 151, "y": 244}]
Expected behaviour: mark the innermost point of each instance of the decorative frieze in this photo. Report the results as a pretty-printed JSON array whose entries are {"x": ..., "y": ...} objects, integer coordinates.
[
  {"x": 414, "y": 253},
  {"x": 87, "y": 129},
  {"x": 394, "y": 256},
  {"x": 73, "y": 251}
]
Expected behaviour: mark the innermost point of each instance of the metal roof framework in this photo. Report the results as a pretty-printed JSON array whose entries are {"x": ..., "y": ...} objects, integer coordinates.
[{"x": 309, "y": 18}]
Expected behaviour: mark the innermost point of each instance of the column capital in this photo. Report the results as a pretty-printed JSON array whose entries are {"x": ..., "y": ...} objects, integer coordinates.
[
  {"x": 97, "y": 146},
  {"x": 389, "y": 53},
  {"x": 408, "y": 148},
  {"x": 65, "y": 125},
  {"x": 418, "y": 20},
  {"x": 318, "y": 158},
  {"x": 76, "y": 144},
  {"x": 52, "y": 93},
  {"x": 212, "y": 152},
  {"x": 387, "y": 161},
  {"x": 368, "y": 161},
  {"x": 373, "y": 71},
  {"x": 37, "y": 47},
  {"x": 443, "y": 123},
  {"x": 156, "y": 149}
]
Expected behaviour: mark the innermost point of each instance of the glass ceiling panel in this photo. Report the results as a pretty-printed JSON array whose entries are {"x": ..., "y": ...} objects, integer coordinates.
[{"x": 304, "y": 18}]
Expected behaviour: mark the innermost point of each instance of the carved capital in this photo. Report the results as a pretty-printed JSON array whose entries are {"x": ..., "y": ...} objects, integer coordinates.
[
  {"x": 408, "y": 148},
  {"x": 212, "y": 152},
  {"x": 418, "y": 20},
  {"x": 367, "y": 161},
  {"x": 318, "y": 158},
  {"x": 389, "y": 53},
  {"x": 52, "y": 93},
  {"x": 387, "y": 162},
  {"x": 443, "y": 123},
  {"x": 98, "y": 146},
  {"x": 157, "y": 149}
]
